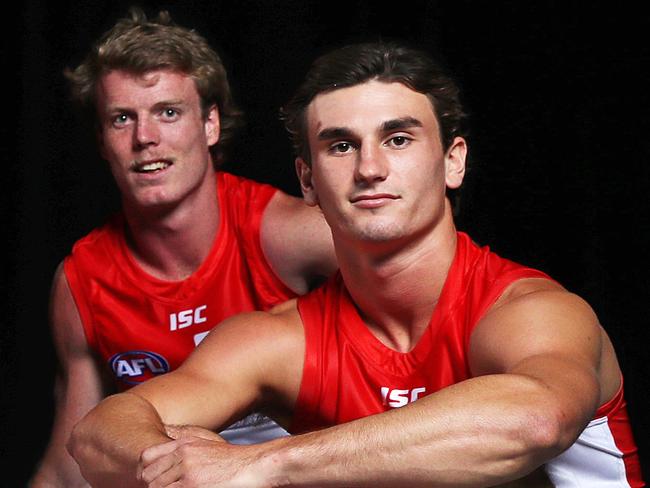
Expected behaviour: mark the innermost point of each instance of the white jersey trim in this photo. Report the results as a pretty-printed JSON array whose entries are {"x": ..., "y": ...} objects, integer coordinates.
[{"x": 593, "y": 461}]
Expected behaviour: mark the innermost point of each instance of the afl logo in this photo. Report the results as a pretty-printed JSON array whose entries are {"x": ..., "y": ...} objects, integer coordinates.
[{"x": 135, "y": 367}]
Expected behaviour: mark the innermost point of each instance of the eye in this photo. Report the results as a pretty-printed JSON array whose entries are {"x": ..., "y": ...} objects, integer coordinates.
[
  {"x": 399, "y": 141},
  {"x": 120, "y": 120},
  {"x": 341, "y": 148},
  {"x": 170, "y": 113}
]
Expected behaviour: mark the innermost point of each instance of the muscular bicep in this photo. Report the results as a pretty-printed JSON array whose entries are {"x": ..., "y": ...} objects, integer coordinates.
[
  {"x": 545, "y": 333},
  {"x": 250, "y": 361}
]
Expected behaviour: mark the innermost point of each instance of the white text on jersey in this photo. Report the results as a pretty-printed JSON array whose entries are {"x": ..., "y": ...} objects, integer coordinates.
[
  {"x": 186, "y": 318},
  {"x": 135, "y": 367},
  {"x": 398, "y": 398}
]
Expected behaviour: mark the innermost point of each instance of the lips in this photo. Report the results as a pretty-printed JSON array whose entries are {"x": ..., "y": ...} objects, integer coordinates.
[
  {"x": 373, "y": 197},
  {"x": 151, "y": 166},
  {"x": 372, "y": 200}
]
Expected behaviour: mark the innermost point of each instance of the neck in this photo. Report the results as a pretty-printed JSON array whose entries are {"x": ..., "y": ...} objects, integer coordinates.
[
  {"x": 396, "y": 292},
  {"x": 171, "y": 243}
]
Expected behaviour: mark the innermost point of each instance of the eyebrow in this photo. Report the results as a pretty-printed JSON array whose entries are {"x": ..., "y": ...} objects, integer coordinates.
[
  {"x": 388, "y": 126},
  {"x": 155, "y": 106},
  {"x": 334, "y": 133},
  {"x": 401, "y": 123},
  {"x": 169, "y": 103}
]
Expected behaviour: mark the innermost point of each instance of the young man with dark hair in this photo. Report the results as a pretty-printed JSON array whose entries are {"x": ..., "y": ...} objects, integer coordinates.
[
  {"x": 427, "y": 361},
  {"x": 192, "y": 245}
]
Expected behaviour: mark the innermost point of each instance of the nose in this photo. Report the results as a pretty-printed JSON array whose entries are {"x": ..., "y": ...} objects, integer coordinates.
[
  {"x": 145, "y": 133},
  {"x": 371, "y": 165}
]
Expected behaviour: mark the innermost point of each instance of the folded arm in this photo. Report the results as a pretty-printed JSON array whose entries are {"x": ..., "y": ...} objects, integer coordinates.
[
  {"x": 537, "y": 362},
  {"x": 220, "y": 382},
  {"x": 536, "y": 358}
]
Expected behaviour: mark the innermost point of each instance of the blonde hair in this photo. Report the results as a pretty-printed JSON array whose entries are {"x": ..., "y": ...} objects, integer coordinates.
[{"x": 138, "y": 45}]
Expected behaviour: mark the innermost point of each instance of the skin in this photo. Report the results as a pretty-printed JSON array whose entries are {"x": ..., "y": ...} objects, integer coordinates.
[
  {"x": 156, "y": 138},
  {"x": 541, "y": 364}
]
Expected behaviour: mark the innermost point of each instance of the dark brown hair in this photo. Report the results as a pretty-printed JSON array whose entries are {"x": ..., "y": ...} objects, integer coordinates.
[{"x": 383, "y": 61}]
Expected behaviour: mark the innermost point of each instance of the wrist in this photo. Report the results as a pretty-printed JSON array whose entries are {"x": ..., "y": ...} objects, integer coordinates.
[{"x": 278, "y": 463}]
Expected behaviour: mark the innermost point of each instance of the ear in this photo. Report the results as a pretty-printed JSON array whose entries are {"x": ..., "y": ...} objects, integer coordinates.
[
  {"x": 455, "y": 163},
  {"x": 212, "y": 125},
  {"x": 303, "y": 170}
]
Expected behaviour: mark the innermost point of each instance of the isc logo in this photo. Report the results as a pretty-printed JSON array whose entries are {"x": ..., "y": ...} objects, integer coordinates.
[
  {"x": 398, "y": 398},
  {"x": 186, "y": 318},
  {"x": 134, "y": 367}
]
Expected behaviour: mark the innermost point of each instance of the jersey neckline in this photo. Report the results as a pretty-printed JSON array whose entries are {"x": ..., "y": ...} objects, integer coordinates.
[
  {"x": 378, "y": 353},
  {"x": 172, "y": 290}
]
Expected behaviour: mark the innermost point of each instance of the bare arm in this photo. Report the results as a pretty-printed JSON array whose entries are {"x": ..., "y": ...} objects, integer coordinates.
[
  {"x": 78, "y": 387},
  {"x": 218, "y": 383},
  {"x": 297, "y": 242},
  {"x": 537, "y": 357},
  {"x": 108, "y": 441},
  {"x": 529, "y": 402}
]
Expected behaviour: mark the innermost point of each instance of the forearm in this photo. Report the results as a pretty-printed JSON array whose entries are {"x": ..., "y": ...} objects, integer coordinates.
[
  {"x": 57, "y": 470},
  {"x": 481, "y": 432},
  {"x": 108, "y": 442}
]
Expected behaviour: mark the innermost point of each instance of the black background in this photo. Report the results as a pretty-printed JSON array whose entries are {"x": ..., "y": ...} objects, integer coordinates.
[{"x": 558, "y": 98}]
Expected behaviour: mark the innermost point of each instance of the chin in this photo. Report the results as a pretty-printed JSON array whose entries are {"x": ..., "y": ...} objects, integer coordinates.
[
  {"x": 157, "y": 200},
  {"x": 380, "y": 233}
]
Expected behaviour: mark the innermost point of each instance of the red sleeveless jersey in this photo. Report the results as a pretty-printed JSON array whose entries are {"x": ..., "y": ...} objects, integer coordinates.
[
  {"x": 349, "y": 373},
  {"x": 142, "y": 326}
]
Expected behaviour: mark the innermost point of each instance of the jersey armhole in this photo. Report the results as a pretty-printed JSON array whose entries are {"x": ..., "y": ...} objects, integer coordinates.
[
  {"x": 271, "y": 290},
  {"x": 310, "y": 384}
]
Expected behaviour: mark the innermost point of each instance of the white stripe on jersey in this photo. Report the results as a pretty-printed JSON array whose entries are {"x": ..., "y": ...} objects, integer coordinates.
[{"x": 593, "y": 461}]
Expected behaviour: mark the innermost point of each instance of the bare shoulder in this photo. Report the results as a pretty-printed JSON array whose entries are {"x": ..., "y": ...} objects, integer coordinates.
[
  {"x": 61, "y": 301},
  {"x": 280, "y": 323},
  {"x": 65, "y": 320},
  {"x": 542, "y": 294},
  {"x": 297, "y": 242},
  {"x": 538, "y": 327},
  {"x": 535, "y": 317}
]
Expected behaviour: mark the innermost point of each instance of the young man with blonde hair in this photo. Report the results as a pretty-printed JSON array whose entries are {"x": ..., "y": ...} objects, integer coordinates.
[{"x": 192, "y": 246}]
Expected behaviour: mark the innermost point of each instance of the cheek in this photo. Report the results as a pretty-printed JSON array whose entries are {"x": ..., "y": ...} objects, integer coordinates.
[
  {"x": 323, "y": 190},
  {"x": 113, "y": 146}
]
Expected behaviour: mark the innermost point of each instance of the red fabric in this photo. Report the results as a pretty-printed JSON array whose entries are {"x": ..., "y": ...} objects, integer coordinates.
[
  {"x": 346, "y": 367},
  {"x": 127, "y": 314},
  {"x": 349, "y": 373},
  {"x": 619, "y": 425}
]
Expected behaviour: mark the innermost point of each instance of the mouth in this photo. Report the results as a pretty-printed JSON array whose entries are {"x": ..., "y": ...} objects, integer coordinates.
[
  {"x": 373, "y": 200},
  {"x": 152, "y": 166},
  {"x": 372, "y": 197}
]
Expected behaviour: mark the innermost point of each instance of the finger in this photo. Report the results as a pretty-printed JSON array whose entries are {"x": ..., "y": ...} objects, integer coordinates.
[
  {"x": 152, "y": 453},
  {"x": 163, "y": 470},
  {"x": 180, "y": 432},
  {"x": 169, "y": 478}
]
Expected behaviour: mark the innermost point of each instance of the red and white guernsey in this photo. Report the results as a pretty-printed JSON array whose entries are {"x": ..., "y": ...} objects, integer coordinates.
[
  {"x": 349, "y": 373},
  {"x": 142, "y": 326}
]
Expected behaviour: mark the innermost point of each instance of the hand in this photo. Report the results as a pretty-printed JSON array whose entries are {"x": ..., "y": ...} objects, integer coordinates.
[{"x": 198, "y": 458}]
